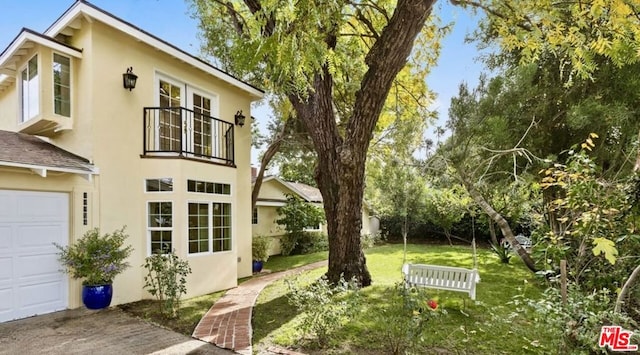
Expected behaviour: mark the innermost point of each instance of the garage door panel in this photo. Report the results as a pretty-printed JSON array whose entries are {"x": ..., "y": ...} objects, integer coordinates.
[
  {"x": 6, "y": 238},
  {"x": 37, "y": 297},
  {"x": 6, "y": 270},
  {"x": 43, "y": 266},
  {"x": 38, "y": 235},
  {"x": 36, "y": 205},
  {"x": 6, "y": 302},
  {"x": 7, "y": 205}
]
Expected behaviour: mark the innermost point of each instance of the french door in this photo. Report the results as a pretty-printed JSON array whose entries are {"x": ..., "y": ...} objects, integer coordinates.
[{"x": 183, "y": 130}]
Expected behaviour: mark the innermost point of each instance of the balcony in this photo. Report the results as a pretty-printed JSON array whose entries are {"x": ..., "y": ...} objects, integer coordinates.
[{"x": 184, "y": 133}]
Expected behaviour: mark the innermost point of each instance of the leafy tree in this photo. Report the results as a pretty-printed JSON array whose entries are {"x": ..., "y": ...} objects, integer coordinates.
[
  {"x": 446, "y": 207},
  {"x": 335, "y": 62},
  {"x": 296, "y": 216}
]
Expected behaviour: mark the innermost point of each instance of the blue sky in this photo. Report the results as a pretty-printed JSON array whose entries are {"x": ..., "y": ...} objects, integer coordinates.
[{"x": 170, "y": 20}]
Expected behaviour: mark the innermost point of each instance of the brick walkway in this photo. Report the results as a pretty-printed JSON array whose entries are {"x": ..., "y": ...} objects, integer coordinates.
[{"x": 227, "y": 324}]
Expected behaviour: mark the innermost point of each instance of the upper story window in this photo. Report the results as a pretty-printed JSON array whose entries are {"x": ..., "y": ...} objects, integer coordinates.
[
  {"x": 30, "y": 90},
  {"x": 159, "y": 185},
  {"x": 62, "y": 85}
]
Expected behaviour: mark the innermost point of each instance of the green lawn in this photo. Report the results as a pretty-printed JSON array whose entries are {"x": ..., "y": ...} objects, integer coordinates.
[{"x": 489, "y": 326}]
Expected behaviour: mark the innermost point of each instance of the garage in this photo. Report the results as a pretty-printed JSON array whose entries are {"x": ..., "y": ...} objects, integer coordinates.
[{"x": 30, "y": 279}]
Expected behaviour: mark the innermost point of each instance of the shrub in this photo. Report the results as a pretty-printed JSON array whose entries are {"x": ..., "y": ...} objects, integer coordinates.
[
  {"x": 95, "y": 258},
  {"x": 402, "y": 318},
  {"x": 323, "y": 308},
  {"x": 166, "y": 280},
  {"x": 577, "y": 324},
  {"x": 260, "y": 248},
  {"x": 296, "y": 243},
  {"x": 502, "y": 251},
  {"x": 370, "y": 240}
]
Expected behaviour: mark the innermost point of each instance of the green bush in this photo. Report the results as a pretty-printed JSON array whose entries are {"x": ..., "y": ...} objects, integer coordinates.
[
  {"x": 323, "y": 308},
  {"x": 502, "y": 251},
  {"x": 401, "y": 319},
  {"x": 298, "y": 243},
  {"x": 577, "y": 324},
  {"x": 166, "y": 280},
  {"x": 260, "y": 248},
  {"x": 95, "y": 258}
]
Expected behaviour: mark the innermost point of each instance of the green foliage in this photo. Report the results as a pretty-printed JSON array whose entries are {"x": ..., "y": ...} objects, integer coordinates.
[
  {"x": 596, "y": 228},
  {"x": 447, "y": 206},
  {"x": 403, "y": 318},
  {"x": 370, "y": 240},
  {"x": 577, "y": 324},
  {"x": 324, "y": 308},
  {"x": 297, "y": 215},
  {"x": 260, "y": 248},
  {"x": 166, "y": 279},
  {"x": 502, "y": 251},
  {"x": 297, "y": 243},
  {"x": 95, "y": 258}
]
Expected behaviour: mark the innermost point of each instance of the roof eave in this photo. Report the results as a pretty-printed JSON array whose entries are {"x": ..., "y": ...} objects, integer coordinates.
[{"x": 83, "y": 7}]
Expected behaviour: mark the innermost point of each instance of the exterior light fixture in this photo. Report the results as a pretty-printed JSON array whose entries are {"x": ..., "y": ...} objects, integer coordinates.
[
  {"x": 239, "y": 118},
  {"x": 129, "y": 79}
]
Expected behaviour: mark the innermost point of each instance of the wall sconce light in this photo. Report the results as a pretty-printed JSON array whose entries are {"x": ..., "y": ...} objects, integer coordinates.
[
  {"x": 239, "y": 118},
  {"x": 129, "y": 79}
]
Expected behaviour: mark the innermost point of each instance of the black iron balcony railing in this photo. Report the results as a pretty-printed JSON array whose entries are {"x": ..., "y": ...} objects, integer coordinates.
[{"x": 178, "y": 131}]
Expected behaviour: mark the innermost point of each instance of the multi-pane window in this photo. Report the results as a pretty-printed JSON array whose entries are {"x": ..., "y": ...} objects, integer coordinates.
[
  {"x": 30, "y": 90},
  {"x": 201, "y": 125},
  {"x": 254, "y": 216},
  {"x": 160, "y": 226},
  {"x": 209, "y": 227},
  {"x": 221, "y": 226},
  {"x": 159, "y": 185},
  {"x": 170, "y": 124},
  {"x": 62, "y": 85},
  {"x": 208, "y": 187},
  {"x": 198, "y": 228}
]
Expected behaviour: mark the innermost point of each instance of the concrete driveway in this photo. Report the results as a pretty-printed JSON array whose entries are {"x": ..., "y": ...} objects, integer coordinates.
[{"x": 81, "y": 331}]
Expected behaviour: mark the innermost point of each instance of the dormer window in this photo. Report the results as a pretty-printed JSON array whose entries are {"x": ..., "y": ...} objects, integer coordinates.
[
  {"x": 30, "y": 90},
  {"x": 62, "y": 85}
]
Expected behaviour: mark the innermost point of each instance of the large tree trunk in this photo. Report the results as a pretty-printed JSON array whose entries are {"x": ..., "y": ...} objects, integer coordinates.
[
  {"x": 342, "y": 157},
  {"x": 497, "y": 217}
]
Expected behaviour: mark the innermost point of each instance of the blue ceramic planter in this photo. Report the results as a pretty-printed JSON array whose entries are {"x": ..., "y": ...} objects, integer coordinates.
[
  {"x": 257, "y": 266},
  {"x": 97, "y": 297}
]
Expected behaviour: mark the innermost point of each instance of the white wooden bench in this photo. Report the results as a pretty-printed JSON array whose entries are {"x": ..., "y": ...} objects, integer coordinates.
[{"x": 441, "y": 277}]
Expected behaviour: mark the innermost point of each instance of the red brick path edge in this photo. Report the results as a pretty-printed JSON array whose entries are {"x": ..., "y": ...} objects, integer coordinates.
[{"x": 227, "y": 324}]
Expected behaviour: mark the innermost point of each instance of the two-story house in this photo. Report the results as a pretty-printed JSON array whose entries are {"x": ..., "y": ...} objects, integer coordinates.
[{"x": 80, "y": 148}]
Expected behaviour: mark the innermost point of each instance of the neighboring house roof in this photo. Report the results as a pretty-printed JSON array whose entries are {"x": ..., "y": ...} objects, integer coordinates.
[
  {"x": 26, "y": 151},
  {"x": 304, "y": 191},
  {"x": 83, "y": 8}
]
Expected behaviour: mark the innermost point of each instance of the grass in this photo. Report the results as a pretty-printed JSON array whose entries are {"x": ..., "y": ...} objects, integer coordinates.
[
  {"x": 191, "y": 311},
  {"x": 489, "y": 326}
]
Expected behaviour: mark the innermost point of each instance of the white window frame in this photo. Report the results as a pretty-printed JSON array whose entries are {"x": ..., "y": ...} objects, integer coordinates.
[
  {"x": 150, "y": 229},
  {"x": 319, "y": 229},
  {"x": 25, "y": 116},
  {"x": 255, "y": 216},
  {"x": 210, "y": 203},
  {"x": 144, "y": 186},
  {"x": 53, "y": 92}
]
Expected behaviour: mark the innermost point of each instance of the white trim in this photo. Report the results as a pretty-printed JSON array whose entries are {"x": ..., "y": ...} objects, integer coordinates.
[
  {"x": 210, "y": 227},
  {"x": 92, "y": 171},
  {"x": 270, "y": 203},
  {"x": 149, "y": 228},
  {"x": 144, "y": 186},
  {"x": 53, "y": 87},
  {"x": 81, "y": 8},
  {"x": 25, "y": 37}
]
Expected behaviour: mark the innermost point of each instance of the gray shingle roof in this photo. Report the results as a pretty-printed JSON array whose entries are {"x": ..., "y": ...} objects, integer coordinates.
[{"x": 24, "y": 149}]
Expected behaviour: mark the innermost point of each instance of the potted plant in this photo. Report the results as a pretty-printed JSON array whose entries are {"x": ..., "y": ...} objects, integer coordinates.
[
  {"x": 96, "y": 259},
  {"x": 259, "y": 252}
]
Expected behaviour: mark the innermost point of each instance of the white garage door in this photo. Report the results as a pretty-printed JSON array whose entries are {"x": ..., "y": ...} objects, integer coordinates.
[{"x": 30, "y": 279}]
